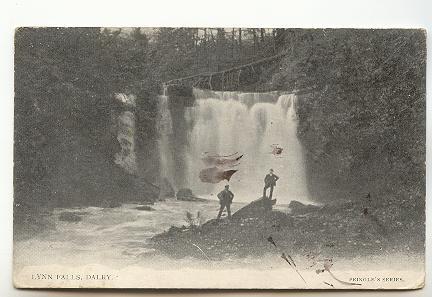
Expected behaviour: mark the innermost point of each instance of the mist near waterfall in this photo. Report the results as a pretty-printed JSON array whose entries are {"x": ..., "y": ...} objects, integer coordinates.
[
  {"x": 223, "y": 123},
  {"x": 118, "y": 185}
]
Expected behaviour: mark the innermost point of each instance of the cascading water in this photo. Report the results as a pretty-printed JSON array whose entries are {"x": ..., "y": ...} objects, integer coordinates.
[
  {"x": 223, "y": 123},
  {"x": 165, "y": 133},
  {"x": 126, "y": 158}
]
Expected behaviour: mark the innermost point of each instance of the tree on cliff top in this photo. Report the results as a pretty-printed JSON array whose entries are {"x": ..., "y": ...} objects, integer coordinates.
[
  {"x": 65, "y": 79},
  {"x": 363, "y": 121}
]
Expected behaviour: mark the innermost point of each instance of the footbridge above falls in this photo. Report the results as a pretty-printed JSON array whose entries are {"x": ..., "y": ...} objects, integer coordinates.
[
  {"x": 196, "y": 122},
  {"x": 240, "y": 78}
]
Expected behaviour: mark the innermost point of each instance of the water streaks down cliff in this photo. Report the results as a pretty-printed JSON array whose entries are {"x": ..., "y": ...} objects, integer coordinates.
[
  {"x": 126, "y": 158},
  {"x": 222, "y": 123}
]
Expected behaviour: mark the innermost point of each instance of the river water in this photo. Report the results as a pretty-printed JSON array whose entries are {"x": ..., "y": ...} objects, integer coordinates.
[
  {"x": 219, "y": 123},
  {"x": 115, "y": 241},
  {"x": 119, "y": 234}
]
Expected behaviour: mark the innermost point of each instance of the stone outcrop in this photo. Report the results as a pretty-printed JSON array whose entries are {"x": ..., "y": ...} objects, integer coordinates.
[
  {"x": 255, "y": 209},
  {"x": 186, "y": 194},
  {"x": 70, "y": 217},
  {"x": 166, "y": 189},
  {"x": 297, "y": 207},
  {"x": 145, "y": 208}
]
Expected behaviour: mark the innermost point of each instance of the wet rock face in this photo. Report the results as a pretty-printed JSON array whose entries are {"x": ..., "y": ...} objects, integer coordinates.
[
  {"x": 145, "y": 208},
  {"x": 69, "y": 217},
  {"x": 297, "y": 207},
  {"x": 110, "y": 204},
  {"x": 126, "y": 158},
  {"x": 185, "y": 194},
  {"x": 255, "y": 209},
  {"x": 166, "y": 189}
]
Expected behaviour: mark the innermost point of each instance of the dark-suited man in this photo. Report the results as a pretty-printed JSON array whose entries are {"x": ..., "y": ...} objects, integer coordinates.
[
  {"x": 225, "y": 199},
  {"x": 269, "y": 182}
]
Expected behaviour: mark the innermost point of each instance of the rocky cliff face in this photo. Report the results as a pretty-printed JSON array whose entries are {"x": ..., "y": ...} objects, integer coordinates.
[
  {"x": 126, "y": 157},
  {"x": 361, "y": 111},
  {"x": 131, "y": 159}
]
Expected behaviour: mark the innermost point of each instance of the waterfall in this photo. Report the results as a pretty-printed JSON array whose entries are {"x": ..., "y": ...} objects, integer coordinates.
[
  {"x": 126, "y": 157},
  {"x": 252, "y": 124},
  {"x": 165, "y": 131}
]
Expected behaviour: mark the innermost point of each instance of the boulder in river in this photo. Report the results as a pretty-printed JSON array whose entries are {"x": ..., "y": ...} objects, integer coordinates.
[
  {"x": 69, "y": 217},
  {"x": 110, "y": 204},
  {"x": 185, "y": 194},
  {"x": 297, "y": 207},
  {"x": 255, "y": 209},
  {"x": 166, "y": 189},
  {"x": 145, "y": 207}
]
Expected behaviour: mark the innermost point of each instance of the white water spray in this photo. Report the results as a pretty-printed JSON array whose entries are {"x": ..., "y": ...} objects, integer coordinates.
[
  {"x": 223, "y": 123},
  {"x": 165, "y": 133}
]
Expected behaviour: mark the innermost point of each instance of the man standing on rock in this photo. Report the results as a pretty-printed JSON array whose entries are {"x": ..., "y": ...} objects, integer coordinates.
[
  {"x": 269, "y": 182},
  {"x": 225, "y": 199}
]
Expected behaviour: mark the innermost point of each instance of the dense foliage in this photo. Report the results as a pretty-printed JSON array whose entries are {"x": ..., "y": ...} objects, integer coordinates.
[
  {"x": 362, "y": 117},
  {"x": 65, "y": 112}
]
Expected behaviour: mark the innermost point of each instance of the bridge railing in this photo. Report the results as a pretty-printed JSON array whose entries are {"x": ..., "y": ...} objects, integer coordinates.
[{"x": 229, "y": 79}]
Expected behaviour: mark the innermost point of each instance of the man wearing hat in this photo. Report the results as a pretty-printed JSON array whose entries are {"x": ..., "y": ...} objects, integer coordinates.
[
  {"x": 225, "y": 199},
  {"x": 269, "y": 182}
]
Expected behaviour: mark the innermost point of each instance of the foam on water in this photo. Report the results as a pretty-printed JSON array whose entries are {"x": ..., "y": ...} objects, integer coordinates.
[{"x": 249, "y": 123}]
